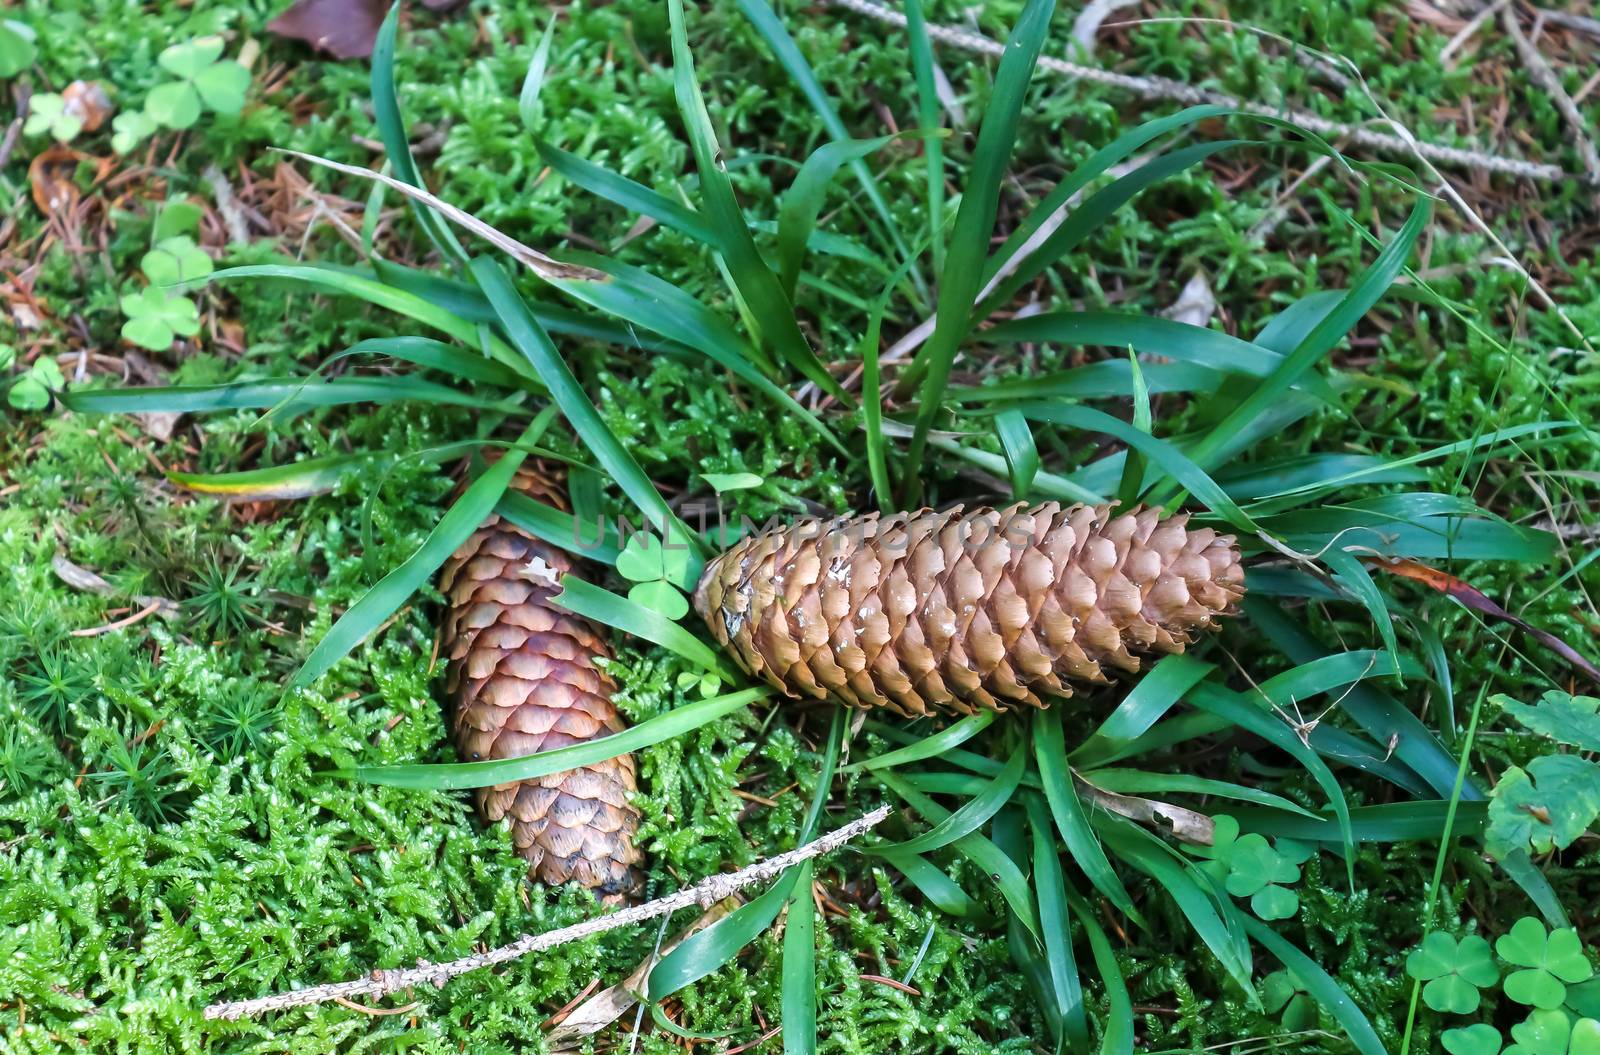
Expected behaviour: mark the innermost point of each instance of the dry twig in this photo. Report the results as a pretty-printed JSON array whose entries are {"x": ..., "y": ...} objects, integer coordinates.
[{"x": 706, "y": 893}]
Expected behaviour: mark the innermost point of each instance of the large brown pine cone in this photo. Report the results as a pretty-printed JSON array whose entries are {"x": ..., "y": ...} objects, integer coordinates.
[
  {"x": 962, "y": 610},
  {"x": 523, "y": 679}
]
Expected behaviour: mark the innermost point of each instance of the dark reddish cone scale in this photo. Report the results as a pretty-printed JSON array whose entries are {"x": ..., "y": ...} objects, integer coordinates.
[
  {"x": 965, "y": 610},
  {"x": 523, "y": 679}
]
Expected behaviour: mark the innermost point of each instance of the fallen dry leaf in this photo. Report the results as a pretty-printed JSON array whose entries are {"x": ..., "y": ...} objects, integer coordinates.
[
  {"x": 50, "y": 179},
  {"x": 1479, "y": 601},
  {"x": 345, "y": 29}
]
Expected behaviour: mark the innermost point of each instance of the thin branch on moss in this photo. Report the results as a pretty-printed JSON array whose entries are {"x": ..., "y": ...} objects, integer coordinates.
[
  {"x": 708, "y": 892},
  {"x": 1164, "y": 88}
]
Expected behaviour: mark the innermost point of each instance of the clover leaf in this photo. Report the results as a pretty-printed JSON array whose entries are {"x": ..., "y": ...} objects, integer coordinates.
[
  {"x": 175, "y": 260},
  {"x": 1282, "y": 991},
  {"x": 32, "y": 390},
  {"x": 709, "y": 683},
  {"x": 48, "y": 113},
  {"x": 659, "y": 595},
  {"x": 205, "y": 82},
  {"x": 1552, "y": 1032},
  {"x": 1477, "y": 1039},
  {"x": 156, "y": 317},
  {"x": 1453, "y": 970},
  {"x": 644, "y": 558},
  {"x": 1550, "y": 960},
  {"x": 129, "y": 129},
  {"x": 16, "y": 47}
]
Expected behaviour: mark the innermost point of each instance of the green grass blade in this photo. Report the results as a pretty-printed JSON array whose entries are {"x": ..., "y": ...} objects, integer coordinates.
[
  {"x": 645, "y": 300},
  {"x": 1072, "y": 821},
  {"x": 969, "y": 241},
  {"x": 614, "y": 610},
  {"x": 1145, "y": 704},
  {"x": 1140, "y": 782},
  {"x": 1088, "y": 216},
  {"x": 380, "y": 294},
  {"x": 756, "y": 283},
  {"x": 1350, "y": 573},
  {"x": 1226, "y": 704},
  {"x": 1214, "y": 920},
  {"x": 458, "y": 775},
  {"x": 437, "y": 355},
  {"x": 593, "y": 540},
  {"x": 1146, "y": 334},
  {"x": 936, "y": 885},
  {"x": 283, "y": 394},
  {"x": 1107, "y": 379},
  {"x": 1050, "y": 888},
  {"x": 384, "y": 599},
  {"x": 631, "y": 195},
  {"x": 533, "y": 80},
  {"x": 972, "y": 815},
  {"x": 771, "y": 29},
  {"x": 872, "y": 412},
  {"x": 397, "y": 145},
  {"x": 1390, "y": 822},
  {"x": 529, "y": 337},
  {"x": 928, "y": 116},
  {"x": 1132, "y": 483},
  {"x": 931, "y": 746},
  {"x": 1163, "y": 454},
  {"x": 1118, "y": 1036},
  {"x": 1022, "y": 454},
  {"x": 980, "y": 851},
  {"x": 799, "y": 996},
  {"x": 1322, "y": 338},
  {"x": 704, "y": 952},
  {"x": 802, "y": 202},
  {"x": 1095, "y": 165},
  {"x": 1321, "y": 986}
]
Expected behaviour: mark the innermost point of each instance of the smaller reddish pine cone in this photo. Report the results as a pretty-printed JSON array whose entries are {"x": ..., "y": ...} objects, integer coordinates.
[
  {"x": 965, "y": 609},
  {"x": 523, "y": 679}
]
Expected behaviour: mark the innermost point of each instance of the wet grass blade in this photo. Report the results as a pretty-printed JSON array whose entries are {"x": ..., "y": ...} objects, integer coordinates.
[
  {"x": 454, "y": 776},
  {"x": 383, "y": 600},
  {"x": 529, "y": 338},
  {"x": 969, "y": 240}
]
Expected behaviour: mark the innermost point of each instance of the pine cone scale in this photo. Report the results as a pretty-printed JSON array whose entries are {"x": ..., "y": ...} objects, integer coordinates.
[{"x": 965, "y": 610}]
